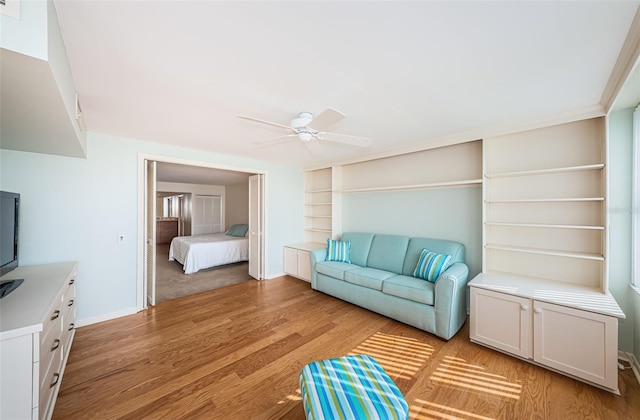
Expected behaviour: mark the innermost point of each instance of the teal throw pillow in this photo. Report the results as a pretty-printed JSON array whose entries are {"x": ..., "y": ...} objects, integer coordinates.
[
  {"x": 338, "y": 251},
  {"x": 238, "y": 230},
  {"x": 431, "y": 265}
]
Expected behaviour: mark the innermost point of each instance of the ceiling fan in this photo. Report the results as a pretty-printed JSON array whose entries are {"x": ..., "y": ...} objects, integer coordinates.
[{"x": 310, "y": 130}]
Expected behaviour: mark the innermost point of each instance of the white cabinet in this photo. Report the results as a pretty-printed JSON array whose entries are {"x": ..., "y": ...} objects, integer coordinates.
[
  {"x": 37, "y": 329},
  {"x": 543, "y": 293},
  {"x": 38, "y": 93},
  {"x": 570, "y": 329},
  {"x": 501, "y": 321},
  {"x": 297, "y": 262}
]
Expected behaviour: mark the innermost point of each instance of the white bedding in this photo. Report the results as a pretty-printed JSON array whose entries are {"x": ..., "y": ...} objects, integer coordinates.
[{"x": 205, "y": 251}]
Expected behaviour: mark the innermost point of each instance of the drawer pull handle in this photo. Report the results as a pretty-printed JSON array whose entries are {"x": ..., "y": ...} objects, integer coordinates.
[
  {"x": 72, "y": 326},
  {"x": 72, "y": 281},
  {"x": 56, "y": 344},
  {"x": 537, "y": 310},
  {"x": 55, "y": 315},
  {"x": 524, "y": 307},
  {"x": 71, "y": 302},
  {"x": 56, "y": 378}
]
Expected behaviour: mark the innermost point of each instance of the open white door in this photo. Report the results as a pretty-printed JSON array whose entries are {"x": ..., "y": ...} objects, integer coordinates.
[
  {"x": 150, "y": 231},
  {"x": 256, "y": 224}
]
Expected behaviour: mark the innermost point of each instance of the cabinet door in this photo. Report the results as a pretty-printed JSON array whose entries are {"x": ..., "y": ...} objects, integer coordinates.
[
  {"x": 580, "y": 343},
  {"x": 291, "y": 261},
  {"x": 501, "y": 321},
  {"x": 304, "y": 265}
]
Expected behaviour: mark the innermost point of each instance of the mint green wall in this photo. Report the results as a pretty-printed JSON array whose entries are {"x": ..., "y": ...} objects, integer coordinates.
[
  {"x": 73, "y": 209},
  {"x": 620, "y": 127},
  {"x": 453, "y": 213}
]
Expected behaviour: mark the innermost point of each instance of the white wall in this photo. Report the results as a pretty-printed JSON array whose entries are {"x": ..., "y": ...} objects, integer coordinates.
[
  {"x": 453, "y": 213},
  {"x": 236, "y": 205},
  {"x": 74, "y": 209},
  {"x": 619, "y": 210}
]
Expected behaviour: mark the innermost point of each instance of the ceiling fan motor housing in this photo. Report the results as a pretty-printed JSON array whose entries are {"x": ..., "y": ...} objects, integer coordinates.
[{"x": 301, "y": 122}]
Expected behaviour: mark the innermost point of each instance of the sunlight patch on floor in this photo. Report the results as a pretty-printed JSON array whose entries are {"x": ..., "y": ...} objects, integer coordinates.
[
  {"x": 401, "y": 357},
  {"x": 297, "y": 396},
  {"x": 459, "y": 373},
  {"x": 425, "y": 410}
]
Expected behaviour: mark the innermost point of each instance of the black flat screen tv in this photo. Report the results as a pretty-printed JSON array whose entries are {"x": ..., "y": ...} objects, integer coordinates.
[{"x": 9, "y": 223}]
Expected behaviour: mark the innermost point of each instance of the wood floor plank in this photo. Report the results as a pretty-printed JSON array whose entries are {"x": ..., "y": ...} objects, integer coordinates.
[{"x": 237, "y": 352}]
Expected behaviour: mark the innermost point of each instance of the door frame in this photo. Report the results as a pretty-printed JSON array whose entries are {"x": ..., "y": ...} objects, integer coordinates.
[{"x": 141, "y": 292}]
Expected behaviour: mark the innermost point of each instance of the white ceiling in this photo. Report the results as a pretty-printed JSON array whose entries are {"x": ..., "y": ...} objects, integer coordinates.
[
  {"x": 184, "y": 174},
  {"x": 404, "y": 73}
]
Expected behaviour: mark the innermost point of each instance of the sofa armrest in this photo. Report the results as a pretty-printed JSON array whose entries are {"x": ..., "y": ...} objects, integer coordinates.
[
  {"x": 451, "y": 300},
  {"x": 316, "y": 255}
]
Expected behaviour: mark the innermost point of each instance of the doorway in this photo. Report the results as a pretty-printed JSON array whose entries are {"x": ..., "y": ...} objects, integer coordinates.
[{"x": 190, "y": 171}]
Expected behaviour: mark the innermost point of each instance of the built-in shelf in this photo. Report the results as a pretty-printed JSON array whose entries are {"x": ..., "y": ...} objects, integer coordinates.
[
  {"x": 317, "y": 204},
  {"x": 546, "y": 171},
  {"x": 319, "y": 230},
  {"x": 447, "y": 184},
  {"x": 547, "y": 200},
  {"x": 318, "y": 191},
  {"x": 317, "y": 217},
  {"x": 541, "y": 225},
  {"x": 551, "y": 252}
]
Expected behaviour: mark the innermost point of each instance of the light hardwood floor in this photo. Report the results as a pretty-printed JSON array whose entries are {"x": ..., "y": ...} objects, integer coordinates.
[{"x": 236, "y": 353}]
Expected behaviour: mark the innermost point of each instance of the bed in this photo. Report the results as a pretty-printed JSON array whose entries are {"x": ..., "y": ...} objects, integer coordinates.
[{"x": 205, "y": 251}]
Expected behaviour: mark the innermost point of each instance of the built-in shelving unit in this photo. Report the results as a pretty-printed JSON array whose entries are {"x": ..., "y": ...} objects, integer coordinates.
[
  {"x": 321, "y": 198},
  {"x": 453, "y": 166},
  {"x": 544, "y": 204},
  {"x": 543, "y": 293}
]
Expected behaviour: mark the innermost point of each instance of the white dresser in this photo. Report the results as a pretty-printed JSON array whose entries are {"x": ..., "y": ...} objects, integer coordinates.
[{"x": 37, "y": 326}]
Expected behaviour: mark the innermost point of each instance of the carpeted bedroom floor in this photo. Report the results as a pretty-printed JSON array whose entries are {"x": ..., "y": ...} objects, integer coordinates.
[{"x": 171, "y": 282}]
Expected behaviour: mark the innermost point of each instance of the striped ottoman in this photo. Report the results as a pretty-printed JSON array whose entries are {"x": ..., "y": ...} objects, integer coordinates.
[{"x": 350, "y": 387}]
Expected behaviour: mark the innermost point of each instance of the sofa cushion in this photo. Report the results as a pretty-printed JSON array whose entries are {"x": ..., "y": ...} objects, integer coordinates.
[
  {"x": 367, "y": 277},
  {"x": 338, "y": 251},
  {"x": 411, "y": 288},
  {"x": 442, "y": 246},
  {"x": 360, "y": 245},
  {"x": 334, "y": 269},
  {"x": 431, "y": 265},
  {"x": 388, "y": 253}
]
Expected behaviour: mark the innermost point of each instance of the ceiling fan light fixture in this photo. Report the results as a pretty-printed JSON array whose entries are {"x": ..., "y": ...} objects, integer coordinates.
[{"x": 305, "y": 136}]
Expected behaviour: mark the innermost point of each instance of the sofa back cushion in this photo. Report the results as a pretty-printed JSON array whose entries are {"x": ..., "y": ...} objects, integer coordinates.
[
  {"x": 442, "y": 246},
  {"x": 360, "y": 245},
  {"x": 388, "y": 253}
]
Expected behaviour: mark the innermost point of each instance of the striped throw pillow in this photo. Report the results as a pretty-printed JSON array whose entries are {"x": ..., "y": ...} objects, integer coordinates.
[
  {"x": 338, "y": 251},
  {"x": 431, "y": 265}
]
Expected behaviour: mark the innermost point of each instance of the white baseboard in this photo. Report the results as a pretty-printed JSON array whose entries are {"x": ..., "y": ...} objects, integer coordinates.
[{"x": 105, "y": 317}]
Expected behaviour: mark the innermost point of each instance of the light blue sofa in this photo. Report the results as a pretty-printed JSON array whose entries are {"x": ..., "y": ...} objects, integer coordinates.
[{"x": 380, "y": 279}]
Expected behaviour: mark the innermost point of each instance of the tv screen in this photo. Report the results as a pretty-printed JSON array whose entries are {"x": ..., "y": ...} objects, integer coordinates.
[{"x": 9, "y": 215}]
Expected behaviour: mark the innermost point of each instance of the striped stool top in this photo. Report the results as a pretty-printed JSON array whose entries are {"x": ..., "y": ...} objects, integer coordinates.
[{"x": 350, "y": 387}]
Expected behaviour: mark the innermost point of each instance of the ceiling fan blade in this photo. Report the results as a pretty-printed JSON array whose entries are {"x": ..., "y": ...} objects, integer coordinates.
[
  {"x": 286, "y": 127},
  {"x": 325, "y": 119},
  {"x": 277, "y": 140},
  {"x": 315, "y": 147},
  {"x": 346, "y": 139}
]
